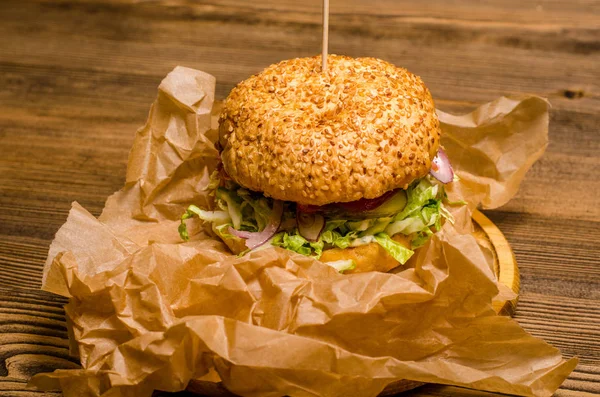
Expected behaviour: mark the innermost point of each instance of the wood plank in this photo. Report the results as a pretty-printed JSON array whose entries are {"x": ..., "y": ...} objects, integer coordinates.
[
  {"x": 470, "y": 61},
  {"x": 512, "y": 11},
  {"x": 77, "y": 79},
  {"x": 33, "y": 339},
  {"x": 555, "y": 257}
]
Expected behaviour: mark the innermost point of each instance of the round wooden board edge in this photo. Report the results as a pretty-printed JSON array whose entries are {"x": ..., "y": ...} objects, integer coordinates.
[{"x": 505, "y": 268}]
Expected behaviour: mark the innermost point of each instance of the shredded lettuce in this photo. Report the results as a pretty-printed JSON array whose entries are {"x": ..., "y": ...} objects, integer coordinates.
[
  {"x": 446, "y": 214},
  {"x": 317, "y": 247},
  {"x": 334, "y": 224},
  {"x": 378, "y": 226},
  {"x": 216, "y": 217},
  {"x": 223, "y": 232},
  {"x": 361, "y": 225},
  {"x": 421, "y": 238},
  {"x": 342, "y": 265},
  {"x": 250, "y": 211},
  {"x": 232, "y": 205},
  {"x": 295, "y": 242},
  {"x": 418, "y": 196},
  {"x": 395, "y": 249},
  {"x": 261, "y": 210},
  {"x": 424, "y": 211},
  {"x": 183, "y": 232},
  {"x": 336, "y": 239}
]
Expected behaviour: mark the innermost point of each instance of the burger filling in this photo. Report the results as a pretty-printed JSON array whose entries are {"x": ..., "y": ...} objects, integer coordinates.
[{"x": 254, "y": 221}]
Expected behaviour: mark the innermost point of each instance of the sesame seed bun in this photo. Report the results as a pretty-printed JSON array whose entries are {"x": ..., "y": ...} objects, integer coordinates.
[{"x": 363, "y": 128}]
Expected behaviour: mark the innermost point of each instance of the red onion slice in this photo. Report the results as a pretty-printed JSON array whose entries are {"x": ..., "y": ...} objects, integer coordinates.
[
  {"x": 310, "y": 225},
  {"x": 309, "y": 208},
  {"x": 441, "y": 169},
  {"x": 240, "y": 233},
  {"x": 256, "y": 239}
]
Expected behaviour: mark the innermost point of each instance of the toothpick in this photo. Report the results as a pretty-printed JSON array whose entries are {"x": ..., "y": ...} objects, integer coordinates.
[{"x": 325, "y": 35}]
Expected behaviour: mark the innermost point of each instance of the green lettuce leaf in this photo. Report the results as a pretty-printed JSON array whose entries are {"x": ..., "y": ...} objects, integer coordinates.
[
  {"x": 335, "y": 224},
  {"x": 446, "y": 214},
  {"x": 425, "y": 218},
  {"x": 292, "y": 242},
  {"x": 183, "y": 232},
  {"x": 418, "y": 196},
  {"x": 223, "y": 232},
  {"x": 421, "y": 238},
  {"x": 406, "y": 226},
  {"x": 216, "y": 217},
  {"x": 378, "y": 226},
  {"x": 233, "y": 206},
  {"x": 395, "y": 249},
  {"x": 317, "y": 247},
  {"x": 423, "y": 212},
  {"x": 361, "y": 225},
  {"x": 342, "y": 265},
  {"x": 336, "y": 239},
  {"x": 260, "y": 208}
]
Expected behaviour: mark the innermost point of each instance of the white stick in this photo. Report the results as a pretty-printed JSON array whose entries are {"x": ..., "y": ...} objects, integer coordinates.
[{"x": 325, "y": 35}]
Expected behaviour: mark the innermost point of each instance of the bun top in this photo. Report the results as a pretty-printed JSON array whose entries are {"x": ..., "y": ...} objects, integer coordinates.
[{"x": 294, "y": 133}]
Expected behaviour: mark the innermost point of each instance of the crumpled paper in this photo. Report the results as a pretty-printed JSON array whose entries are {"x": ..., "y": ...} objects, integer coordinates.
[{"x": 150, "y": 312}]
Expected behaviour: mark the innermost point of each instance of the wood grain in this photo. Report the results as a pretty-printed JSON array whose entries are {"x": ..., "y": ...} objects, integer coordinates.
[
  {"x": 77, "y": 78},
  {"x": 33, "y": 338}
]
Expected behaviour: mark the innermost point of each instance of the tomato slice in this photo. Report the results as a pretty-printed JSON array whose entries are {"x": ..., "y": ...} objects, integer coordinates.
[
  {"x": 366, "y": 204},
  {"x": 352, "y": 206},
  {"x": 310, "y": 209}
]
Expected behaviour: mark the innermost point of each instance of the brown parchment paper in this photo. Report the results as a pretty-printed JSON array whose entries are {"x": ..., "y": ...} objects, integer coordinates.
[{"x": 148, "y": 311}]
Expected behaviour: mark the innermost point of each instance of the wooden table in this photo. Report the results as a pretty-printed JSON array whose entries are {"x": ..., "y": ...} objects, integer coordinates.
[{"x": 77, "y": 79}]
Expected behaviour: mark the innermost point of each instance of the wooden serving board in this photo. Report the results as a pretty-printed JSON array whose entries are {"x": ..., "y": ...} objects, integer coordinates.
[{"x": 505, "y": 268}]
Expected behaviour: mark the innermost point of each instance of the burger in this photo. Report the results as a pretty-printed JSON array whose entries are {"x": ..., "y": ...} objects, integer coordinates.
[{"x": 344, "y": 165}]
